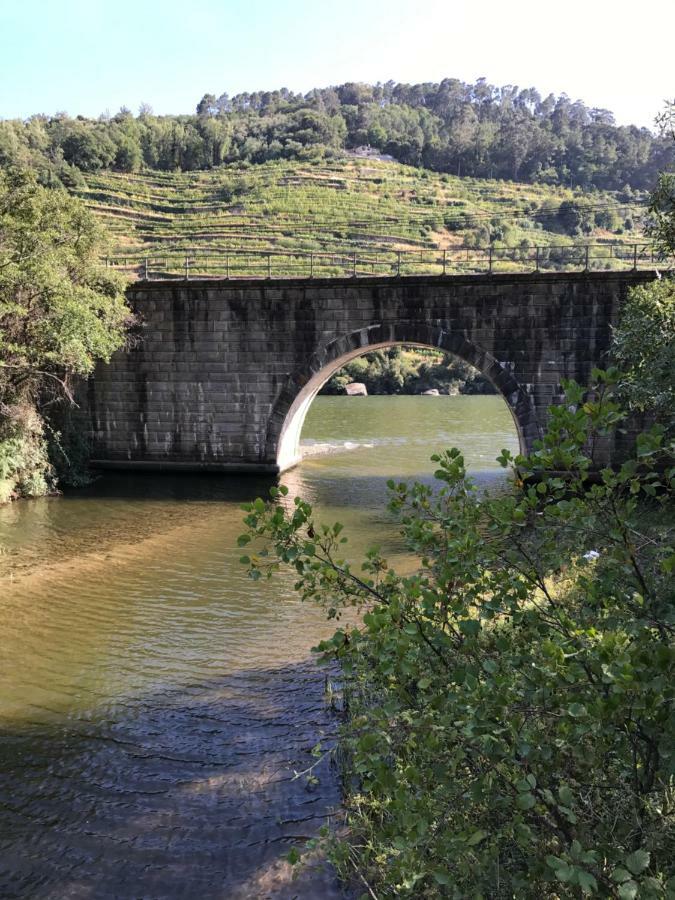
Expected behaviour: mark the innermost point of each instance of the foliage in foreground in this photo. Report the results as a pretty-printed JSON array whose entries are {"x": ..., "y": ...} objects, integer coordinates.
[
  {"x": 644, "y": 348},
  {"x": 662, "y": 206},
  {"x": 59, "y": 313},
  {"x": 510, "y": 728}
]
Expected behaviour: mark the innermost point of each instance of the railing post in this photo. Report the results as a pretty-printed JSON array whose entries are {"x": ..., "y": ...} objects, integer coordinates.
[
  {"x": 227, "y": 265},
  {"x": 586, "y": 259},
  {"x": 490, "y": 260},
  {"x": 311, "y": 265},
  {"x": 536, "y": 259},
  {"x": 269, "y": 265},
  {"x": 398, "y": 263},
  {"x": 354, "y": 265},
  {"x": 187, "y": 267},
  {"x": 146, "y": 268},
  {"x": 445, "y": 261},
  {"x": 635, "y": 257},
  {"x": 107, "y": 262}
]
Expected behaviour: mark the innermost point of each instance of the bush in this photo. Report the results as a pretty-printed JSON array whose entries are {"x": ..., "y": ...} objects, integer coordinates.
[
  {"x": 644, "y": 347},
  {"x": 510, "y": 728}
]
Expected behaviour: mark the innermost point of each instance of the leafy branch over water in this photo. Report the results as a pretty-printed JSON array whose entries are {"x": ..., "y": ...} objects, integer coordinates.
[{"x": 510, "y": 726}]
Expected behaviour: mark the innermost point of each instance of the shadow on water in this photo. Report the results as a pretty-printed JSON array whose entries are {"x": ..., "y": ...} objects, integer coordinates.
[
  {"x": 180, "y": 794},
  {"x": 211, "y": 487},
  {"x": 229, "y": 488}
]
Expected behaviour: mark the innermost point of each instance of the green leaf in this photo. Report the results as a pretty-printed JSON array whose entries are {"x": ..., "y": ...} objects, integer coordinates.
[
  {"x": 525, "y": 801},
  {"x": 620, "y": 875},
  {"x": 628, "y": 890},
  {"x": 476, "y": 838},
  {"x": 554, "y": 862},
  {"x": 441, "y": 877},
  {"x": 587, "y": 882},
  {"x": 470, "y": 627},
  {"x": 565, "y": 873},
  {"x": 638, "y": 861},
  {"x": 565, "y": 795}
]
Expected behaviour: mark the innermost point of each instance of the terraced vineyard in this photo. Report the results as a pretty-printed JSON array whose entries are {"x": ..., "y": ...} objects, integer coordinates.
[{"x": 245, "y": 219}]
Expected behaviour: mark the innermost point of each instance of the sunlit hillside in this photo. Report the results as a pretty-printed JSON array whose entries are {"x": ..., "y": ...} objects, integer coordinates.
[{"x": 343, "y": 206}]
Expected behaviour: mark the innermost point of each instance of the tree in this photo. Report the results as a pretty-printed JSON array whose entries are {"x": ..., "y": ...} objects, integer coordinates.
[
  {"x": 207, "y": 106},
  {"x": 573, "y": 219},
  {"x": 662, "y": 206},
  {"x": 87, "y": 148},
  {"x": 128, "y": 157},
  {"x": 60, "y": 312},
  {"x": 662, "y": 209},
  {"x": 644, "y": 341},
  {"x": 510, "y": 729},
  {"x": 644, "y": 349}
]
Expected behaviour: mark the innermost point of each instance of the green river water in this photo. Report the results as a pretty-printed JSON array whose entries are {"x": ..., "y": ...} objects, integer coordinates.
[{"x": 154, "y": 702}]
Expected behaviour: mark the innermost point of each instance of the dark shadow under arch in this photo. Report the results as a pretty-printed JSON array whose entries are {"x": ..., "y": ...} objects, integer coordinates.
[{"x": 288, "y": 413}]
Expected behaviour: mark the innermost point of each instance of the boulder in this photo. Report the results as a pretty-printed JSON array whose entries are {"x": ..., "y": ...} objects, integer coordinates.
[
  {"x": 432, "y": 392},
  {"x": 356, "y": 389}
]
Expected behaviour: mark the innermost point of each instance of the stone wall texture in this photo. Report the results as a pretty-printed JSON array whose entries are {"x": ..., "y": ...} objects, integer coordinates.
[{"x": 220, "y": 364}]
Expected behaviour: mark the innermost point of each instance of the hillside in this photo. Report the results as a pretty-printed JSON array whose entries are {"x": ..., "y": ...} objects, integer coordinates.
[{"x": 340, "y": 207}]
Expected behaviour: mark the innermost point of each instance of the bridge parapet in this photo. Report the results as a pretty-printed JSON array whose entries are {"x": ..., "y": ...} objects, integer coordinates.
[{"x": 231, "y": 263}]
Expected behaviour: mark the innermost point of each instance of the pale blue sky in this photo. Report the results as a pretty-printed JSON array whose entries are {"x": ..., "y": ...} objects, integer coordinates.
[{"x": 86, "y": 56}]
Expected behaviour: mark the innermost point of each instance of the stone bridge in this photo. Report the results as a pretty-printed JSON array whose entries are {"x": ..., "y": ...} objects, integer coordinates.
[{"x": 224, "y": 371}]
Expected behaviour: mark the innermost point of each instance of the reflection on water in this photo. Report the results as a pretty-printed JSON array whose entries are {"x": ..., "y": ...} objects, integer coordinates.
[{"x": 155, "y": 702}]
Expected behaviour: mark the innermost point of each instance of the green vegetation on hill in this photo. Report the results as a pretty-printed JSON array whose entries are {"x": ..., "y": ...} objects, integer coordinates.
[{"x": 345, "y": 205}]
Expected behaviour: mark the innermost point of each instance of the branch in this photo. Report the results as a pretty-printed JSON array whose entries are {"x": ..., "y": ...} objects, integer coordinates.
[{"x": 64, "y": 386}]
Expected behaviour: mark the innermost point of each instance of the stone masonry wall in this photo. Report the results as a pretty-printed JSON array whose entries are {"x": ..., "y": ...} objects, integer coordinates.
[{"x": 220, "y": 363}]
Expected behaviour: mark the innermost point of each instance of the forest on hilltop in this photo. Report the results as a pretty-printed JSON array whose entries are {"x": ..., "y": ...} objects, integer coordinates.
[{"x": 476, "y": 130}]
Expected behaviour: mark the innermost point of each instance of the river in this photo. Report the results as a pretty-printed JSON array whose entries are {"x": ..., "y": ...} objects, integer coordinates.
[{"x": 154, "y": 702}]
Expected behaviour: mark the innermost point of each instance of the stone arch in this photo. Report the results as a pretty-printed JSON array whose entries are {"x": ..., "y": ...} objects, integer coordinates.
[{"x": 290, "y": 409}]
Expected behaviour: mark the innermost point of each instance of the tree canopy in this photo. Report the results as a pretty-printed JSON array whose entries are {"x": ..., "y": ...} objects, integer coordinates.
[
  {"x": 644, "y": 341},
  {"x": 474, "y": 129},
  {"x": 59, "y": 313}
]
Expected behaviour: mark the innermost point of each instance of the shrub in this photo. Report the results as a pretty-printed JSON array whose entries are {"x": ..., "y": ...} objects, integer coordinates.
[
  {"x": 510, "y": 728},
  {"x": 644, "y": 347}
]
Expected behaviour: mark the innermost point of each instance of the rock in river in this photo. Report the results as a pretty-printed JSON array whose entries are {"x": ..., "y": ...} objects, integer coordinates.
[{"x": 356, "y": 389}]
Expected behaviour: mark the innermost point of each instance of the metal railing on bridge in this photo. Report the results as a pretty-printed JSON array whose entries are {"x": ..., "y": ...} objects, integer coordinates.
[{"x": 267, "y": 264}]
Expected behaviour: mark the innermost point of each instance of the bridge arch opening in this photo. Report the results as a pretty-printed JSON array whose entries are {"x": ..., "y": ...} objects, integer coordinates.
[{"x": 288, "y": 415}]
